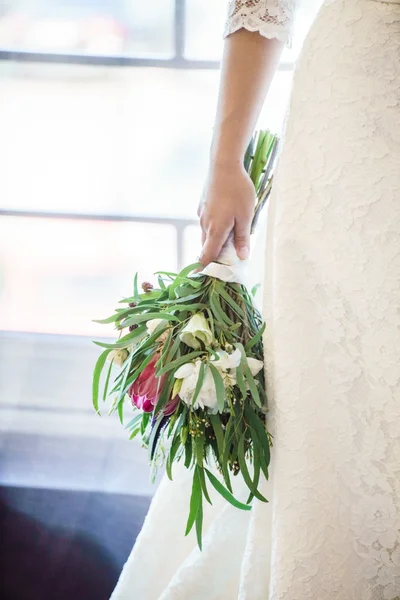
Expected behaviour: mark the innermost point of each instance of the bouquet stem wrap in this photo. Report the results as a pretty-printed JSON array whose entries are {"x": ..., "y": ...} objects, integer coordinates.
[{"x": 228, "y": 267}]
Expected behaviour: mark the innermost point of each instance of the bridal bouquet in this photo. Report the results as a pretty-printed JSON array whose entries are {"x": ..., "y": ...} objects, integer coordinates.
[{"x": 189, "y": 363}]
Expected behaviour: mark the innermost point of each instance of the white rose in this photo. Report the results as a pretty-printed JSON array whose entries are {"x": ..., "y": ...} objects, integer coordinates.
[
  {"x": 153, "y": 324},
  {"x": 189, "y": 374},
  {"x": 118, "y": 357},
  {"x": 196, "y": 331}
]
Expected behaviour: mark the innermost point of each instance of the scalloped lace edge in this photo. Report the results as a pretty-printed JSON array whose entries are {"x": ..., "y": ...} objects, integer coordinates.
[{"x": 264, "y": 29}]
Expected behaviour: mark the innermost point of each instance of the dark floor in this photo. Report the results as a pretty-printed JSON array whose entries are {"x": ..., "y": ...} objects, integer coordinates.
[
  {"x": 73, "y": 489},
  {"x": 63, "y": 545}
]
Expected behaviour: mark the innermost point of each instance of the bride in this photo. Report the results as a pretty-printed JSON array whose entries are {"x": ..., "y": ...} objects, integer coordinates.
[{"x": 331, "y": 530}]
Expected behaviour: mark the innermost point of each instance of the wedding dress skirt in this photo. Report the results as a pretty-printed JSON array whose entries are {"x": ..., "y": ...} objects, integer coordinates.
[{"x": 331, "y": 530}]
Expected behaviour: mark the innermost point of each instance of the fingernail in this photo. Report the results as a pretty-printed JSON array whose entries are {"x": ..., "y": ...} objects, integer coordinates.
[{"x": 243, "y": 252}]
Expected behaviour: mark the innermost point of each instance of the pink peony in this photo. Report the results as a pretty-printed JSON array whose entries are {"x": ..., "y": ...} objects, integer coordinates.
[{"x": 146, "y": 390}]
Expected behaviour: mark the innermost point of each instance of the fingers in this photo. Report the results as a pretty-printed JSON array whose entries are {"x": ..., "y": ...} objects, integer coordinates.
[
  {"x": 213, "y": 245},
  {"x": 241, "y": 238}
]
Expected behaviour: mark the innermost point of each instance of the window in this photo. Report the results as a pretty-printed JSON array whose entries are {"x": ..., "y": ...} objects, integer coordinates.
[{"x": 106, "y": 112}]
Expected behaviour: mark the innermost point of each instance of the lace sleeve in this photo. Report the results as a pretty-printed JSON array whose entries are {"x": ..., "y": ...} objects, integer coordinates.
[{"x": 271, "y": 18}]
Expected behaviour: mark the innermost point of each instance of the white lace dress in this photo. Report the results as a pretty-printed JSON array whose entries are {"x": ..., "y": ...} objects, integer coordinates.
[{"x": 332, "y": 302}]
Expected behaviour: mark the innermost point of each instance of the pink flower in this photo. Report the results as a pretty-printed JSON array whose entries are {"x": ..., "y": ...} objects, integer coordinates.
[{"x": 146, "y": 390}]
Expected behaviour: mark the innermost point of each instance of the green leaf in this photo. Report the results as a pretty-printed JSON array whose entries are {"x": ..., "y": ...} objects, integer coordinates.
[
  {"x": 260, "y": 438},
  {"x": 256, "y": 469},
  {"x": 240, "y": 382},
  {"x": 107, "y": 382},
  {"x": 173, "y": 365},
  {"x": 145, "y": 422},
  {"x": 199, "y": 383},
  {"x": 249, "y": 377},
  {"x": 134, "y": 433},
  {"x": 219, "y": 387},
  {"x": 233, "y": 304},
  {"x": 189, "y": 269},
  {"x": 252, "y": 385},
  {"x": 199, "y": 523},
  {"x": 176, "y": 444},
  {"x": 135, "y": 319},
  {"x": 161, "y": 283},
  {"x": 96, "y": 379},
  {"x": 183, "y": 299},
  {"x": 183, "y": 307},
  {"x": 195, "y": 500},
  {"x": 245, "y": 472},
  {"x": 188, "y": 453},
  {"x": 135, "y": 421},
  {"x": 257, "y": 338},
  {"x": 219, "y": 314},
  {"x": 154, "y": 436},
  {"x": 219, "y": 434},
  {"x": 135, "y": 288},
  {"x": 199, "y": 449},
  {"x": 225, "y": 493},
  {"x": 124, "y": 385},
  {"x": 255, "y": 289},
  {"x": 125, "y": 341},
  {"x": 210, "y": 321},
  {"x": 121, "y": 411},
  {"x": 204, "y": 485}
]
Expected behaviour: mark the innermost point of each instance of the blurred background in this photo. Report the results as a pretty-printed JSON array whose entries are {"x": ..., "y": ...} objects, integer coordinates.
[{"x": 106, "y": 114}]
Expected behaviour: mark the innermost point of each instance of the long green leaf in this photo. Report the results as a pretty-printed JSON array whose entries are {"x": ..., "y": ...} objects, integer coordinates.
[
  {"x": 219, "y": 434},
  {"x": 245, "y": 472},
  {"x": 199, "y": 383},
  {"x": 233, "y": 304},
  {"x": 136, "y": 319},
  {"x": 176, "y": 444},
  {"x": 107, "y": 382},
  {"x": 260, "y": 438},
  {"x": 173, "y": 365},
  {"x": 241, "y": 382},
  {"x": 219, "y": 314},
  {"x": 125, "y": 341},
  {"x": 195, "y": 500},
  {"x": 257, "y": 338},
  {"x": 219, "y": 387},
  {"x": 199, "y": 523},
  {"x": 204, "y": 485},
  {"x": 199, "y": 442},
  {"x": 96, "y": 379},
  {"x": 225, "y": 493}
]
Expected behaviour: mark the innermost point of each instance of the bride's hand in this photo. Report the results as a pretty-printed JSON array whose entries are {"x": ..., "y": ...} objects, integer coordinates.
[{"x": 227, "y": 205}]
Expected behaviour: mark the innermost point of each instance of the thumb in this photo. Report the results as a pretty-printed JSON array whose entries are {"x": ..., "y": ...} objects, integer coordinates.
[{"x": 241, "y": 239}]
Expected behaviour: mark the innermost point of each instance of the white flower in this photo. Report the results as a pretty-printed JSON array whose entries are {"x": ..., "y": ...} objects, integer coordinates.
[
  {"x": 118, "y": 357},
  {"x": 254, "y": 365},
  {"x": 196, "y": 331},
  {"x": 153, "y": 324},
  {"x": 232, "y": 361},
  {"x": 189, "y": 373}
]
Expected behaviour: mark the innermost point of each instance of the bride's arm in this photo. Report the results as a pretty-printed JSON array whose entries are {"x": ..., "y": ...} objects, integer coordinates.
[{"x": 249, "y": 63}]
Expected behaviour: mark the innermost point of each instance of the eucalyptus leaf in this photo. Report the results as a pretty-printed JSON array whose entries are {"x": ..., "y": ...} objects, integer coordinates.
[
  {"x": 219, "y": 387},
  {"x": 96, "y": 379},
  {"x": 195, "y": 500},
  {"x": 225, "y": 493},
  {"x": 173, "y": 365},
  {"x": 245, "y": 472}
]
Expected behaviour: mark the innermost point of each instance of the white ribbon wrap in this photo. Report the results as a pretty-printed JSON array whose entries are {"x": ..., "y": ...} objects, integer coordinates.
[{"x": 229, "y": 267}]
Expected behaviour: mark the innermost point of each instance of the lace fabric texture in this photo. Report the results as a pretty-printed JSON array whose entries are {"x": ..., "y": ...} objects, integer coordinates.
[
  {"x": 271, "y": 18},
  {"x": 331, "y": 529}
]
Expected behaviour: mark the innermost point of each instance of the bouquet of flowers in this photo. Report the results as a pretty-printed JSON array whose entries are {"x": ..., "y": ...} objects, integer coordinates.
[{"x": 189, "y": 362}]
